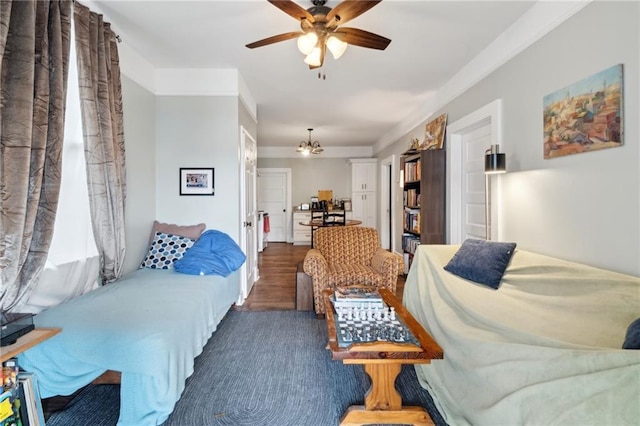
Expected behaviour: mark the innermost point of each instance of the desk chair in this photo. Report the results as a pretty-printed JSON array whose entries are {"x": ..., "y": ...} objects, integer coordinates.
[
  {"x": 334, "y": 218},
  {"x": 316, "y": 215}
]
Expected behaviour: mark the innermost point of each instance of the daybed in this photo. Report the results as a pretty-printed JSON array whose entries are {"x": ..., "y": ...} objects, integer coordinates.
[
  {"x": 149, "y": 326},
  {"x": 543, "y": 348}
]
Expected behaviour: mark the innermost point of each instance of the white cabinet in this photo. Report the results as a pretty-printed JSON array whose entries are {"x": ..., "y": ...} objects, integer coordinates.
[
  {"x": 301, "y": 233},
  {"x": 363, "y": 205},
  {"x": 363, "y": 174},
  {"x": 363, "y": 187}
]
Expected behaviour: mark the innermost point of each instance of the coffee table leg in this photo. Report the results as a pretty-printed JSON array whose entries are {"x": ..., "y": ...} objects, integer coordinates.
[
  {"x": 382, "y": 395},
  {"x": 383, "y": 403}
]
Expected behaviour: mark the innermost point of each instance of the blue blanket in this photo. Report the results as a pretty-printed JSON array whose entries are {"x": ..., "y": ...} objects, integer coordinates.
[
  {"x": 214, "y": 253},
  {"x": 149, "y": 325}
]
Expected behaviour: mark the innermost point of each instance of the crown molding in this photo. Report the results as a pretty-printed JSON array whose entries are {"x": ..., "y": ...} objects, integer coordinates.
[
  {"x": 135, "y": 67},
  {"x": 538, "y": 21}
]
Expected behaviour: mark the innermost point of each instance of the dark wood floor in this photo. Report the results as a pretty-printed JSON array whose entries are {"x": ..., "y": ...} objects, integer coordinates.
[{"x": 275, "y": 290}]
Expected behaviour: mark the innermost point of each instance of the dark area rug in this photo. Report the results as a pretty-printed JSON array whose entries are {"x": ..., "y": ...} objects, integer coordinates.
[{"x": 259, "y": 368}]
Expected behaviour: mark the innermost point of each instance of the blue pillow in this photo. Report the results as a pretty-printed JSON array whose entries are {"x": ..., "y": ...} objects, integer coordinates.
[
  {"x": 632, "y": 339},
  {"x": 214, "y": 253},
  {"x": 483, "y": 262}
]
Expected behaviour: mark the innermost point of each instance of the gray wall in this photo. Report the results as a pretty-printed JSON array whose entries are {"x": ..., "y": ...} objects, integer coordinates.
[
  {"x": 139, "y": 129},
  {"x": 583, "y": 207},
  {"x": 164, "y": 133},
  {"x": 311, "y": 174},
  {"x": 198, "y": 131}
]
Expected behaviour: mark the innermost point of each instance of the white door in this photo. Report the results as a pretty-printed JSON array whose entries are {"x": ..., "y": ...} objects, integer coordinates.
[
  {"x": 474, "y": 145},
  {"x": 467, "y": 140},
  {"x": 273, "y": 187},
  {"x": 248, "y": 211}
]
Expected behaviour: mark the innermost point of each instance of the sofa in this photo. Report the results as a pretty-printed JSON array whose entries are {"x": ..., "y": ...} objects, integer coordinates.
[
  {"x": 542, "y": 347},
  {"x": 349, "y": 255}
]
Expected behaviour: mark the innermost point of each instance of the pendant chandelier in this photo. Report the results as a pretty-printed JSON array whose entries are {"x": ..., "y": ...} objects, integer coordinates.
[{"x": 308, "y": 147}]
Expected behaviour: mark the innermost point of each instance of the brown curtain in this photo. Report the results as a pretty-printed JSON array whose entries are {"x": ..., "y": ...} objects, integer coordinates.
[
  {"x": 102, "y": 123},
  {"x": 34, "y": 56}
]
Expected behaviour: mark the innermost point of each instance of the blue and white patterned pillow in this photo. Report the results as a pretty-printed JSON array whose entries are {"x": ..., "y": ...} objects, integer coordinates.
[{"x": 165, "y": 249}]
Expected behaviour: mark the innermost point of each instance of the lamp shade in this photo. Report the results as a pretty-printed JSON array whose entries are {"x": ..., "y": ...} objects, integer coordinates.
[
  {"x": 313, "y": 58},
  {"x": 336, "y": 46},
  {"x": 307, "y": 42},
  {"x": 494, "y": 161}
]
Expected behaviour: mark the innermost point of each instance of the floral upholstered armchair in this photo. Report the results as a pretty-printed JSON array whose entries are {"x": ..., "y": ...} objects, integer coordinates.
[{"x": 349, "y": 255}]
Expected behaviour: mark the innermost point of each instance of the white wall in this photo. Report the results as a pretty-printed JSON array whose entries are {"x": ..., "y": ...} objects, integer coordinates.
[
  {"x": 139, "y": 129},
  {"x": 198, "y": 131},
  {"x": 583, "y": 207}
]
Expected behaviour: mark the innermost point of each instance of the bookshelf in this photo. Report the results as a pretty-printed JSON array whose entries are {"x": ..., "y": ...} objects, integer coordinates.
[
  {"x": 20, "y": 402},
  {"x": 424, "y": 200}
]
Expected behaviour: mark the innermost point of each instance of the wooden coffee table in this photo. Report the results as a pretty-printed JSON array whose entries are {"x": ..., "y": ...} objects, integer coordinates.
[{"x": 383, "y": 362}]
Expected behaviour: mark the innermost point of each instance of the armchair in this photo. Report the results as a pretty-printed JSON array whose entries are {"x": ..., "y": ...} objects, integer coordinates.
[{"x": 349, "y": 255}]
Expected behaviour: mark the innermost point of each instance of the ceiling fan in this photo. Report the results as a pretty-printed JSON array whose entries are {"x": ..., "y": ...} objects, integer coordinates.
[{"x": 321, "y": 31}]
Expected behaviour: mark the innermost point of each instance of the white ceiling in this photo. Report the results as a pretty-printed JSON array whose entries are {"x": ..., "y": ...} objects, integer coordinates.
[{"x": 366, "y": 93}]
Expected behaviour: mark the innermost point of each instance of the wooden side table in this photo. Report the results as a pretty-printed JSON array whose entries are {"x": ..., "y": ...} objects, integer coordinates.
[
  {"x": 27, "y": 341},
  {"x": 383, "y": 362}
]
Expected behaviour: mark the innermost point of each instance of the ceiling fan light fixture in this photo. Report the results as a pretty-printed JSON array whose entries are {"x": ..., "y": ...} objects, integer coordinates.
[
  {"x": 321, "y": 29},
  {"x": 313, "y": 58},
  {"x": 336, "y": 46},
  {"x": 307, "y": 42}
]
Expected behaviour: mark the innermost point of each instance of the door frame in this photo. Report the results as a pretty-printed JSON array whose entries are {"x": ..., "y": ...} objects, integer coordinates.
[
  {"x": 288, "y": 213},
  {"x": 490, "y": 113},
  {"x": 249, "y": 274},
  {"x": 388, "y": 192}
]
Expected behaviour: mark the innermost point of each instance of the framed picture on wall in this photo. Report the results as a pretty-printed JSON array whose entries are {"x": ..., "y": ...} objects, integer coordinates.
[
  {"x": 196, "y": 181},
  {"x": 586, "y": 115}
]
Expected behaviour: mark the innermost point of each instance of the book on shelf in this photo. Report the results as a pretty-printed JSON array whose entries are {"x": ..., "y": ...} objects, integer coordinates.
[
  {"x": 20, "y": 404},
  {"x": 410, "y": 242},
  {"x": 412, "y": 171},
  {"x": 411, "y": 221},
  {"x": 10, "y": 403}
]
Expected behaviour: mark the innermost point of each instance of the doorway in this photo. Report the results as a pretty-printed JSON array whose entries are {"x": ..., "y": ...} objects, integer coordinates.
[
  {"x": 388, "y": 172},
  {"x": 274, "y": 198},
  {"x": 468, "y": 138}
]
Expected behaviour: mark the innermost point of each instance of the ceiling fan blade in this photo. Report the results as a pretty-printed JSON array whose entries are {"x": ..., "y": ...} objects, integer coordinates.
[
  {"x": 362, "y": 38},
  {"x": 274, "y": 39},
  {"x": 293, "y": 9},
  {"x": 347, "y": 10}
]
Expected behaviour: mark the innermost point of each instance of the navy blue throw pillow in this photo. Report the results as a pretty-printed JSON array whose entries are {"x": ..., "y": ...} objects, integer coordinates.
[
  {"x": 483, "y": 262},
  {"x": 632, "y": 340}
]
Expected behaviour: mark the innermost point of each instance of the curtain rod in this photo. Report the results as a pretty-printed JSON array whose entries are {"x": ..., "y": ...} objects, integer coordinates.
[{"x": 117, "y": 36}]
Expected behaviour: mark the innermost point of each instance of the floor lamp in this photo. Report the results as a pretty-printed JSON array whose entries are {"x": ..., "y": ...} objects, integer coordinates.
[{"x": 494, "y": 162}]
